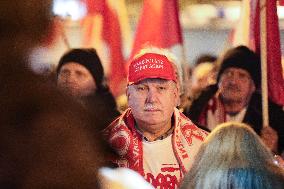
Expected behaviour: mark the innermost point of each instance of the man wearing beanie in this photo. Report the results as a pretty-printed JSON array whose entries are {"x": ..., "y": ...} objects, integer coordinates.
[
  {"x": 80, "y": 74},
  {"x": 236, "y": 97},
  {"x": 152, "y": 136}
]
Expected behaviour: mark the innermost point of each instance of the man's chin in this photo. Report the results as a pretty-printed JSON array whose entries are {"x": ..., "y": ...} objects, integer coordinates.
[
  {"x": 71, "y": 93},
  {"x": 152, "y": 122},
  {"x": 152, "y": 115}
]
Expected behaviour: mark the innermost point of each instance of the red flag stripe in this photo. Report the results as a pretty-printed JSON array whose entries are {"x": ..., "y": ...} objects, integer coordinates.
[
  {"x": 158, "y": 25},
  {"x": 111, "y": 36},
  {"x": 281, "y": 2},
  {"x": 274, "y": 67}
]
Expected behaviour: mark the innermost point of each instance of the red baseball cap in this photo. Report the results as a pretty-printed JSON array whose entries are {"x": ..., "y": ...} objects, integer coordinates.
[{"x": 151, "y": 65}]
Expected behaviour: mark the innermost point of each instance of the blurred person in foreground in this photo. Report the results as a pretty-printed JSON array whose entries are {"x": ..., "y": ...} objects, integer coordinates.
[
  {"x": 45, "y": 137},
  {"x": 80, "y": 74},
  {"x": 152, "y": 137},
  {"x": 236, "y": 97},
  {"x": 234, "y": 157}
]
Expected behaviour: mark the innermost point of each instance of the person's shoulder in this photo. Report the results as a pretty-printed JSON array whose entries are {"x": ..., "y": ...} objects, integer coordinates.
[
  {"x": 208, "y": 92},
  {"x": 187, "y": 124},
  {"x": 102, "y": 96},
  {"x": 121, "y": 122},
  {"x": 199, "y": 102},
  {"x": 256, "y": 100}
]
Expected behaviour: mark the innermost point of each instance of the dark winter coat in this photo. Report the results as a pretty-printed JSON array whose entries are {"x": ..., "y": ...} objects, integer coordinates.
[{"x": 253, "y": 115}]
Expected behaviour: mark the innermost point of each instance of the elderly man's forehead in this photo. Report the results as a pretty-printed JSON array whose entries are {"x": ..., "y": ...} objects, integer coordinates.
[
  {"x": 154, "y": 80},
  {"x": 237, "y": 69}
]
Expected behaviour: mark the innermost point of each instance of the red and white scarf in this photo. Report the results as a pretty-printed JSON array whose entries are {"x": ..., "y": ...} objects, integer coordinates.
[
  {"x": 213, "y": 108},
  {"x": 214, "y": 113},
  {"x": 127, "y": 142}
]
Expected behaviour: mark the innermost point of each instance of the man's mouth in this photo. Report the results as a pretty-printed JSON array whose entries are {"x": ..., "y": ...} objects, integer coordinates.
[
  {"x": 151, "y": 108},
  {"x": 233, "y": 88}
]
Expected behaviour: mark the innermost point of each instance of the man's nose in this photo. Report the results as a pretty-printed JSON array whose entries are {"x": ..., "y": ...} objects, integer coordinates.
[
  {"x": 152, "y": 95},
  {"x": 70, "y": 78},
  {"x": 234, "y": 78}
]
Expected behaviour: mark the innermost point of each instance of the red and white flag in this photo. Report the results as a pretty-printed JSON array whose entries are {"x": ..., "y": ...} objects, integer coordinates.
[
  {"x": 158, "y": 25},
  {"x": 273, "y": 50},
  {"x": 249, "y": 33},
  {"x": 106, "y": 28},
  {"x": 281, "y": 2}
]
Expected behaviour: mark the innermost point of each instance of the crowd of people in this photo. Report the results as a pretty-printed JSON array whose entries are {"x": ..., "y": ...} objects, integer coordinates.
[{"x": 70, "y": 134}]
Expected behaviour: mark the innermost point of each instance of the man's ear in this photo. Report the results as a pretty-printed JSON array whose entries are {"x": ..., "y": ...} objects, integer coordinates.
[
  {"x": 177, "y": 95},
  {"x": 253, "y": 88},
  {"x": 178, "y": 102},
  {"x": 127, "y": 92}
]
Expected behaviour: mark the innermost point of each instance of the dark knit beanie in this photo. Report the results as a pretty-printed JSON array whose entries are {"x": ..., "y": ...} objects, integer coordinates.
[
  {"x": 87, "y": 58},
  {"x": 244, "y": 58}
]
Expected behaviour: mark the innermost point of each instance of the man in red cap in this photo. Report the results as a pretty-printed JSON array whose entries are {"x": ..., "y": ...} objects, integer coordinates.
[{"x": 152, "y": 137}]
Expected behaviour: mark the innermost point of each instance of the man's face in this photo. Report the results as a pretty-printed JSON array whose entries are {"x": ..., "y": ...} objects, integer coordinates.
[
  {"x": 236, "y": 85},
  {"x": 76, "y": 80},
  {"x": 152, "y": 101}
]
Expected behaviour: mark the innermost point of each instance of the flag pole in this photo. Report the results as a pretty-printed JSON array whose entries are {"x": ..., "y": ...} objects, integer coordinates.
[{"x": 263, "y": 53}]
